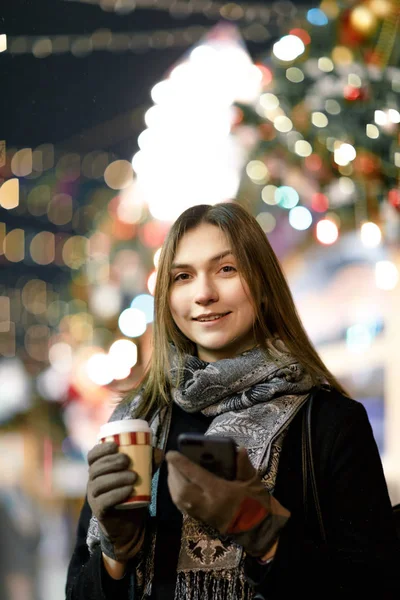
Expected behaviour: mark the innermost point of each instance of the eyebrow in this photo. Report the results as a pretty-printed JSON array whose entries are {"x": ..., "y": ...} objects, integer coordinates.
[{"x": 219, "y": 256}]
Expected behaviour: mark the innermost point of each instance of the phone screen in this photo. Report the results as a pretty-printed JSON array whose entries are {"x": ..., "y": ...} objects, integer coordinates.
[{"x": 214, "y": 453}]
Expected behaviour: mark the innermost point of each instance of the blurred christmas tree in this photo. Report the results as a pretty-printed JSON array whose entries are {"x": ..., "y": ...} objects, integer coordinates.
[{"x": 327, "y": 124}]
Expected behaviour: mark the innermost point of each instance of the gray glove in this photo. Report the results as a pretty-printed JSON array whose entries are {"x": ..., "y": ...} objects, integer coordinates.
[
  {"x": 110, "y": 483},
  {"x": 242, "y": 509}
]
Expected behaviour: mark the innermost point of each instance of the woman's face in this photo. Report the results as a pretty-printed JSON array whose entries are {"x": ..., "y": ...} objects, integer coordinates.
[{"x": 209, "y": 301}]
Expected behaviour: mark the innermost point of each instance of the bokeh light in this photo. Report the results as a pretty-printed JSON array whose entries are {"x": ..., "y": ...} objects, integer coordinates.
[
  {"x": 257, "y": 171},
  {"x": 42, "y": 248},
  {"x": 300, "y": 218},
  {"x": 267, "y": 221},
  {"x": 9, "y": 194},
  {"x": 99, "y": 369},
  {"x": 151, "y": 282},
  {"x": 132, "y": 322},
  {"x": 119, "y": 175},
  {"x": 287, "y": 196},
  {"x": 386, "y": 275},
  {"x": 288, "y": 48},
  {"x": 268, "y": 195},
  {"x": 317, "y": 17},
  {"x": 105, "y": 300},
  {"x": 327, "y": 232},
  {"x": 371, "y": 235},
  {"x": 145, "y": 303}
]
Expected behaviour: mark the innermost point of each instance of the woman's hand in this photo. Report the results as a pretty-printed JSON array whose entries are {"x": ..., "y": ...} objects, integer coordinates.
[
  {"x": 111, "y": 482},
  {"x": 242, "y": 509}
]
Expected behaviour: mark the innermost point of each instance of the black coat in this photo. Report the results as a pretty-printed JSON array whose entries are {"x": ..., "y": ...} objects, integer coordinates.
[{"x": 362, "y": 557}]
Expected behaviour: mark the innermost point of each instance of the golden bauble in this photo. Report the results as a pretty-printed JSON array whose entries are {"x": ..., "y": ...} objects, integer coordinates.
[
  {"x": 363, "y": 20},
  {"x": 381, "y": 8}
]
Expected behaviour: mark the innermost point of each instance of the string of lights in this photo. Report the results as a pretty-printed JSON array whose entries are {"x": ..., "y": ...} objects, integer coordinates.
[
  {"x": 227, "y": 10},
  {"x": 107, "y": 41}
]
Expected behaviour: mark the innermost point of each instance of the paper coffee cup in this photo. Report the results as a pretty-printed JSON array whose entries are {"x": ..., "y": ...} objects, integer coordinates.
[{"x": 133, "y": 437}]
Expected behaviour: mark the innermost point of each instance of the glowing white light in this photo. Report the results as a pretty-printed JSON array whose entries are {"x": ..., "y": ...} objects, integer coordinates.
[
  {"x": 3, "y": 42},
  {"x": 372, "y": 131},
  {"x": 386, "y": 275},
  {"x": 303, "y": 148},
  {"x": 325, "y": 64},
  {"x": 268, "y": 195},
  {"x": 151, "y": 282},
  {"x": 60, "y": 357},
  {"x": 288, "y": 48},
  {"x": 354, "y": 80},
  {"x": 344, "y": 154},
  {"x": 145, "y": 139},
  {"x": 380, "y": 117},
  {"x": 203, "y": 54},
  {"x": 154, "y": 116},
  {"x": 257, "y": 171},
  {"x": 300, "y": 218},
  {"x": 327, "y": 232},
  {"x": 105, "y": 301},
  {"x": 346, "y": 186},
  {"x": 52, "y": 384},
  {"x": 269, "y": 101},
  {"x": 132, "y": 322},
  {"x": 161, "y": 92},
  {"x": 99, "y": 369},
  {"x": 319, "y": 119},
  {"x": 124, "y": 351},
  {"x": 358, "y": 337},
  {"x": 15, "y": 386},
  {"x": 371, "y": 235},
  {"x": 156, "y": 257},
  {"x": 394, "y": 115},
  {"x": 283, "y": 124},
  {"x": 128, "y": 210},
  {"x": 145, "y": 303},
  {"x": 188, "y": 137},
  {"x": 137, "y": 161}
]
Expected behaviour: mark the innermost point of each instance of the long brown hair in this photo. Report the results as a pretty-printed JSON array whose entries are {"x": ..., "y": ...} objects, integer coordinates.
[{"x": 276, "y": 314}]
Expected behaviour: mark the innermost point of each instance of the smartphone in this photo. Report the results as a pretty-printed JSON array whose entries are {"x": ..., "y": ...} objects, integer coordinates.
[{"x": 217, "y": 454}]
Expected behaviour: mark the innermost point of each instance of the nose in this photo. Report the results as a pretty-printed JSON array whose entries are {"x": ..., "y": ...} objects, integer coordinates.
[{"x": 205, "y": 291}]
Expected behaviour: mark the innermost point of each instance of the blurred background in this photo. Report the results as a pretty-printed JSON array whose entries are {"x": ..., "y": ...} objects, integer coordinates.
[{"x": 116, "y": 116}]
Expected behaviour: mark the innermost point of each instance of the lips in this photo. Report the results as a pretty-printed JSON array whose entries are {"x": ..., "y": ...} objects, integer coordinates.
[{"x": 207, "y": 318}]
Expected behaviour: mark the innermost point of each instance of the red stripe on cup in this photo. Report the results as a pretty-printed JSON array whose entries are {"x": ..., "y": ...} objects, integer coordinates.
[
  {"x": 136, "y": 438},
  {"x": 137, "y": 499}
]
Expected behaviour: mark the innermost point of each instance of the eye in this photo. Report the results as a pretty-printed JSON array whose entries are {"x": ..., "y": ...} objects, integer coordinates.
[
  {"x": 228, "y": 269},
  {"x": 181, "y": 277}
]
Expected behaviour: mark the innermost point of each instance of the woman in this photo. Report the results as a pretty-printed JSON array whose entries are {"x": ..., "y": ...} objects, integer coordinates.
[{"x": 231, "y": 358}]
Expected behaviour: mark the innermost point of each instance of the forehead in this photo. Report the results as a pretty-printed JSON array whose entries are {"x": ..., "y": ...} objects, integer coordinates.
[{"x": 202, "y": 242}]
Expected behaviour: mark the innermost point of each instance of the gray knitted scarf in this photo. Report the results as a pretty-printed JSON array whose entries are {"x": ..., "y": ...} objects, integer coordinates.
[{"x": 252, "y": 399}]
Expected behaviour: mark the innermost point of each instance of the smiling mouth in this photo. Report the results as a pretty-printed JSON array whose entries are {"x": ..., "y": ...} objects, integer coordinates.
[{"x": 214, "y": 317}]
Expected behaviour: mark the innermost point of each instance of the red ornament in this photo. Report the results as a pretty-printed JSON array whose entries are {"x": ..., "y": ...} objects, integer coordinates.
[
  {"x": 366, "y": 164},
  {"x": 348, "y": 36},
  {"x": 302, "y": 34},
  {"x": 266, "y": 74},
  {"x": 394, "y": 198},
  {"x": 313, "y": 163},
  {"x": 267, "y": 131},
  {"x": 352, "y": 93},
  {"x": 319, "y": 202}
]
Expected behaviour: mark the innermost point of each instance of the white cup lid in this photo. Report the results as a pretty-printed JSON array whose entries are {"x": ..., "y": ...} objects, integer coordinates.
[{"x": 124, "y": 426}]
